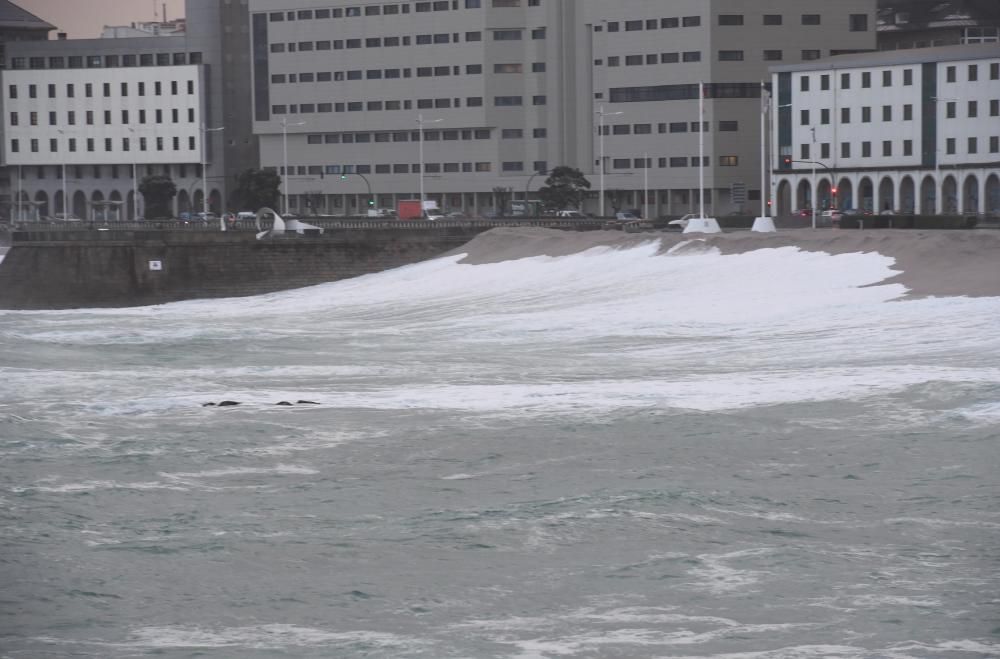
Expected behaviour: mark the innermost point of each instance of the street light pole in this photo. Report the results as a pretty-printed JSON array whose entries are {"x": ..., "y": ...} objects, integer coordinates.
[
  {"x": 135, "y": 177},
  {"x": 420, "y": 123},
  {"x": 284, "y": 169},
  {"x": 600, "y": 131},
  {"x": 65, "y": 200},
  {"x": 938, "y": 187},
  {"x": 204, "y": 168},
  {"x": 645, "y": 185}
]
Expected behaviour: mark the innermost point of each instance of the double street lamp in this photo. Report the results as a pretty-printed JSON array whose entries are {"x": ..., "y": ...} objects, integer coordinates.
[
  {"x": 284, "y": 170},
  {"x": 420, "y": 123},
  {"x": 204, "y": 168},
  {"x": 600, "y": 131}
]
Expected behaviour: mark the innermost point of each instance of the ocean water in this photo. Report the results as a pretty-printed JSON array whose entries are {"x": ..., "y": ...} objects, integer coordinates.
[{"x": 618, "y": 453}]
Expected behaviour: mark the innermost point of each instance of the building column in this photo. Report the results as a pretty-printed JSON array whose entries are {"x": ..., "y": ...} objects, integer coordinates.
[{"x": 981, "y": 177}]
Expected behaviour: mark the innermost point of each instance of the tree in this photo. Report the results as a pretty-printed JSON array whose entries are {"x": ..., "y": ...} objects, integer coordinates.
[
  {"x": 564, "y": 188},
  {"x": 256, "y": 189},
  {"x": 158, "y": 191}
]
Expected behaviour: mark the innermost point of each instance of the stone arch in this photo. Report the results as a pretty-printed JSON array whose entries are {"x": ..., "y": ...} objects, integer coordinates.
[
  {"x": 824, "y": 193},
  {"x": 42, "y": 203},
  {"x": 215, "y": 201},
  {"x": 845, "y": 193},
  {"x": 803, "y": 194},
  {"x": 783, "y": 199},
  {"x": 970, "y": 194},
  {"x": 197, "y": 202},
  {"x": 866, "y": 194},
  {"x": 118, "y": 215},
  {"x": 183, "y": 202},
  {"x": 57, "y": 202},
  {"x": 949, "y": 195},
  {"x": 96, "y": 197},
  {"x": 907, "y": 195},
  {"x": 79, "y": 205},
  {"x": 130, "y": 206},
  {"x": 886, "y": 195},
  {"x": 991, "y": 204},
  {"x": 928, "y": 196}
]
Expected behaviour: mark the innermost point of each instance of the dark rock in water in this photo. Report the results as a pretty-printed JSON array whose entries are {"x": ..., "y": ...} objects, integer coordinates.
[
  {"x": 208, "y": 404},
  {"x": 307, "y": 402},
  {"x": 228, "y": 403},
  {"x": 284, "y": 402}
]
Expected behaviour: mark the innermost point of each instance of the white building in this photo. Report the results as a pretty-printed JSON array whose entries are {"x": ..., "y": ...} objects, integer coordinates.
[
  {"x": 896, "y": 130},
  {"x": 61, "y": 127},
  {"x": 174, "y": 28}
]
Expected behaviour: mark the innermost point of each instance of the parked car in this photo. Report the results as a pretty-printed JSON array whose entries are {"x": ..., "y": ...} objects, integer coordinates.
[
  {"x": 63, "y": 217},
  {"x": 433, "y": 216},
  {"x": 205, "y": 217},
  {"x": 246, "y": 215},
  {"x": 830, "y": 217},
  {"x": 804, "y": 212},
  {"x": 625, "y": 216},
  {"x": 681, "y": 222},
  {"x": 455, "y": 215},
  {"x": 571, "y": 215}
]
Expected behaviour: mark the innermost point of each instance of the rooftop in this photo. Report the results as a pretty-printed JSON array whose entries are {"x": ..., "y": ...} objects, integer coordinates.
[
  {"x": 12, "y": 16},
  {"x": 896, "y": 57}
]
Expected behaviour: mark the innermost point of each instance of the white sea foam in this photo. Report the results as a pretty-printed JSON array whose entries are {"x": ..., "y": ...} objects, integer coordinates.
[{"x": 267, "y": 636}]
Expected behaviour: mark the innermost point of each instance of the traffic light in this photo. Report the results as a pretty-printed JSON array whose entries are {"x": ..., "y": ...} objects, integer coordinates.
[
  {"x": 787, "y": 160},
  {"x": 833, "y": 190},
  {"x": 371, "y": 202},
  {"x": 343, "y": 177}
]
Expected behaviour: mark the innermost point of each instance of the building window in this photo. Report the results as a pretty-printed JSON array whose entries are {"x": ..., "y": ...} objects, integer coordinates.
[
  {"x": 729, "y": 161},
  {"x": 995, "y": 108},
  {"x": 866, "y": 114},
  {"x": 513, "y": 166},
  {"x": 973, "y": 109},
  {"x": 886, "y": 113},
  {"x": 824, "y": 82},
  {"x": 730, "y": 19},
  {"x": 810, "y": 19},
  {"x": 803, "y": 152},
  {"x": 995, "y": 144},
  {"x": 845, "y": 80},
  {"x": 824, "y": 116},
  {"x": 950, "y": 74},
  {"x": 691, "y": 21},
  {"x": 803, "y": 117},
  {"x": 907, "y": 147},
  {"x": 886, "y": 148},
  {"x": 907, "y": 112},
  {"x": 845, "y": 115},
  {"x": 507, "y": 35},
  {"x": 804, "y": 83},
  {"x": 772, "y": 55},
  {"x": 866, "y": 149},
  {"x": 858, "y": 22},
  {"x": 730, "y": 55},
  {"x": 810, "y": 54},
  {"x": 824, "y": 150},
  {"x": 772, "y": 19},
  {"x": 692, "y": 56},
  {"x": 973, "y": 145},
  {"x": 950, "y": 109},
  {"x": 949, "y": 146},
  {"x": 845, "y": 149}
]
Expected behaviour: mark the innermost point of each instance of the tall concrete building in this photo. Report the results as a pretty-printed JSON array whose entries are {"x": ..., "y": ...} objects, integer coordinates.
[
  {"x": 902, "y": 130},
  {"x": 79, "y": 114},
  {"x": 505, "y": 90}
]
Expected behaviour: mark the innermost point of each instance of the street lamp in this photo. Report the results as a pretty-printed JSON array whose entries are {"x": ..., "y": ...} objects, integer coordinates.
[
  {"x": 65, "y": 201},
  {"x": 420, "y": 123},
  {"x": 284, "y": 170},
  {"x": 135, "y": 178},
  {"x": 938, "y": 186},
  {"x": 600, "y": 131},
  {"x": 204, "y": 168}
]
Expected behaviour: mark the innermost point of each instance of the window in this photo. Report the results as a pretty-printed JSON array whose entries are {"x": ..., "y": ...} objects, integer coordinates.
[
  {"x": 670, "y": 58},
  {"x": 858, "y": 22},
  {"x": 907, "y": 112},
  {"x": 692, "y": 56},
  {"x": 538, "y": 33},
  {"x": 772, "y": 19},
  {"x": 886, "y": 148},
  {"x": 824, "y": 116},
  {"x": 949, "y": 146},
  {"x": 772, "y": 55},
  {"x": 804, "y": 83},
  {"x": 621, "y": 129},
  {"x": 729, "y": 161},
  {"x": 995, "y": 108},
  {"x": 679, "y": 162},
  {"x": 950, "y": 109},
  {"x": 973, "y": 109},
  {"x": 824, "y": 82},
  {"x": 507, "y": 101},
  {"x": 511, "y": 134},
  {"x": 845, "y": 115},
  {"x": 507, "y": 68},
  {"x": 539, "y": 133},
  {"x": 666, "y": 23},
  {"x": 973, "y": 145},
  {"x": 866, "y": 114},
  {"x": 679, "y": 127},
  {"x": 994, "y": 144},
  {"x": 845, "y": 80},
  {"x": 907, "y": 77},
  {"x": 633, "y": 60},
  {"x": 803, "y": 152},
  {"x": 907, "y": 147},
  {"x": 507, "y": 35},
  {"x": 824, "y": 150},
  {"x": 730, "y": 19},
  {"x": 803, "y": 117},
  {"x": 810, "y": 19},
  {"x": 886, "y": 113},
  {"x": 950, "y": 74},
  {"x": 866, "y": 149},
  {"x": 513, "y": 166},
  {"x": 730, "y": 55},
  {"x": 538, "y": 67},
  {"x": 887, "y": 78},
  {"x": 810, "y": 54},
  {"x": 845, "y": 149},
  {"x": 995, "y": 71},
  {"x": 691, "y": 21},
  {"x": 539, "y": 100}
]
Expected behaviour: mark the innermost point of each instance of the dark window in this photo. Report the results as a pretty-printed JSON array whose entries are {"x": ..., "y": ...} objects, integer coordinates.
[
  {"x": 772, "y": 19},
  {"x": 858, "y": 22},
  {"x": 810, "y": 19},
  {"x": 730, "y": 19}
]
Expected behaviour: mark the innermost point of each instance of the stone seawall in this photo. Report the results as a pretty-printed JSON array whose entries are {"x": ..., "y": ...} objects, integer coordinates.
[{"x": 78, "y": 269}]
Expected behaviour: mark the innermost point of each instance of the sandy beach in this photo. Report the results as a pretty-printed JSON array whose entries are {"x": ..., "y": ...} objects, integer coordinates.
[{"x": 931, "y": 263}]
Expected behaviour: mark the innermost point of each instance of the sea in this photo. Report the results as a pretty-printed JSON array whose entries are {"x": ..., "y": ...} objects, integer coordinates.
[{"x": 617, "y": 453}]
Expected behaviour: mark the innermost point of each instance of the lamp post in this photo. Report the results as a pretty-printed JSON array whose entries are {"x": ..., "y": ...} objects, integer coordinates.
[
  {"x": 600, "y": 132},
  {"x": 645, "y": 185},
  {"x": 284, "y": 169},
  {"x": 65, "y": 200},
  {"x": 938, "y": 187},
  {"x": 204, "y": 167},
  {"x": 135, "y": 179},
  {"x": 420, "y": 123}
]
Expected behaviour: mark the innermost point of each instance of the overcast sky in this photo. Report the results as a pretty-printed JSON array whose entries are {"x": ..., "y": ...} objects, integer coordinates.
[{"x": 83, "y": 19}]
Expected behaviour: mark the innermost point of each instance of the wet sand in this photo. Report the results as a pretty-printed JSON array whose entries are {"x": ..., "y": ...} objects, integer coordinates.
[{"x": 932, "y": 263}]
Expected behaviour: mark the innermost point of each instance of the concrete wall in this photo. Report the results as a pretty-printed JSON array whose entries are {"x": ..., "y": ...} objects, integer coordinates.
[{"x": 112, "y": 268}]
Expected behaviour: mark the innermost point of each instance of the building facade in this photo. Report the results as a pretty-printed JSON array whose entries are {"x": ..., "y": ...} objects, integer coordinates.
[
  {"x": 906, "y": 131},
  {"x": 178, "y": 124},
  {"x": 505, "y": 90}
]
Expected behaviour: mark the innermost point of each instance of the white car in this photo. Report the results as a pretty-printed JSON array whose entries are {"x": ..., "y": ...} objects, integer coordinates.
[
  {"x": 570, "y": 214},
  {"x": 681, "y": 222}
]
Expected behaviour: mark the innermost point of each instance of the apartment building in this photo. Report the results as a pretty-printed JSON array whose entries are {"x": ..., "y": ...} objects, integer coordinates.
[
  {"x": 79, "y": 114},
  {"x": 903, "y": 130},
  {"x": 504, "y": 90}
]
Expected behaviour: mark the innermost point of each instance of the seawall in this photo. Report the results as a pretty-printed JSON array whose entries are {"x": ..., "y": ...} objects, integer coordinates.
[{"x": 116, "y": 268}]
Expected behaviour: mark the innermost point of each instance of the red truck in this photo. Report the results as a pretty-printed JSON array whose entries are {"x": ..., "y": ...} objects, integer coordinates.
[{"x": 409, "y": 209}]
